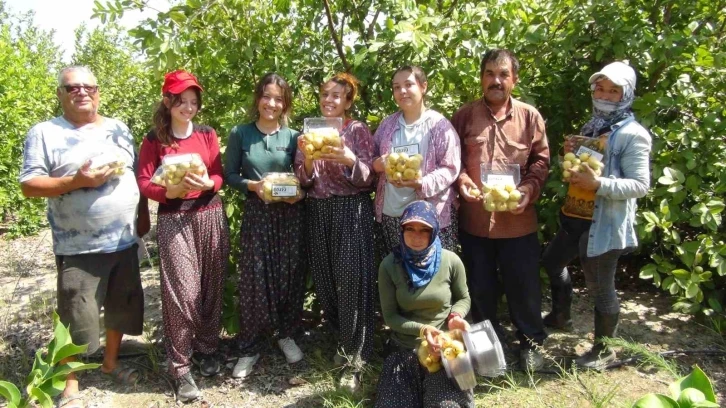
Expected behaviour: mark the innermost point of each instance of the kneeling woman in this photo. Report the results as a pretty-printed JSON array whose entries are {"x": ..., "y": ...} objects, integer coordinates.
[{"x": 423, "y": 291}]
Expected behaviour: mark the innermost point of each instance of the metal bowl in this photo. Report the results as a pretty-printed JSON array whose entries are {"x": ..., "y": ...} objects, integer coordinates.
[{"x": 485, "y": 350}]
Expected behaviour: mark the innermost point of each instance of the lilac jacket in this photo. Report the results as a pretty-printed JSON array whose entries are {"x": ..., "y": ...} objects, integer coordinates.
[{"x": 440, "y": 167}]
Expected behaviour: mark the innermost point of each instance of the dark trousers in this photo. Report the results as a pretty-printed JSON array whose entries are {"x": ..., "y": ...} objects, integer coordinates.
[
  {"x": 517, "y": 260},
  {"x": 570, "y": 243}
]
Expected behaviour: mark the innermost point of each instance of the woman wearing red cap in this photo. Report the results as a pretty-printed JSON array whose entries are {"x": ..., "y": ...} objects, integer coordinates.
[
  {"x": 272, "y": 258},
  {"x": 192, "y": 232}
]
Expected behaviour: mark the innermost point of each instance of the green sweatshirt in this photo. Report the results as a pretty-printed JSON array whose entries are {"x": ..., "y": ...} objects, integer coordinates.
[
  {"x": 405, "y": 311},
  {"x": 250, "y": 154}
]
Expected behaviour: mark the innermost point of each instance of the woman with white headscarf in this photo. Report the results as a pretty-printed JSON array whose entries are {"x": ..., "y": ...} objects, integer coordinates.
[{"x": 598, "y": 216}]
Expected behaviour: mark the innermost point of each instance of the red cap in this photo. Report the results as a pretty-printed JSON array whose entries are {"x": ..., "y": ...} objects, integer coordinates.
[{"x": 178, "y": 81}]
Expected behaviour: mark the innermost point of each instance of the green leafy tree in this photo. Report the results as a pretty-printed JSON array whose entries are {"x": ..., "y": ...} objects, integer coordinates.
[
  {"x": 676, "y": 48},
  {"x": 128, "y": 91},
  {"x": 27, "y": 93}
]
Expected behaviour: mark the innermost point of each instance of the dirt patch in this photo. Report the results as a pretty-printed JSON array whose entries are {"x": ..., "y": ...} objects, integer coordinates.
[{"x": 27, "y": 298}]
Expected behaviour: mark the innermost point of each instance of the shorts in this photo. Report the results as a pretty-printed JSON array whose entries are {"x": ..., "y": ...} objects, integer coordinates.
[{"x": 88, "y": 281}]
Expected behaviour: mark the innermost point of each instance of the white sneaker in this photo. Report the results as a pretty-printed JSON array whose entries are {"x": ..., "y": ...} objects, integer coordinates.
[
  {"x": 244, "y": 366},
  {"x": 292, "y": 352},
  {"x": 350, "y": 381}
]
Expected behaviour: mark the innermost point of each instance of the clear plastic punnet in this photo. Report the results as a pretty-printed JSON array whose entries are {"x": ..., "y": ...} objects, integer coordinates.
[
  {"x": 585, "y": 152},
  {"x": 322, "y": 123},
  {"x": 485, "y": 349},
  {"x": 402, "y": 166},
  {"x": 174, "y": 167},
  {"x": 278, "y": 187},
  {"x": 108, "y": 160},
  {"x": 321, "y": 135},
  {"x": 499, "y": 187}
]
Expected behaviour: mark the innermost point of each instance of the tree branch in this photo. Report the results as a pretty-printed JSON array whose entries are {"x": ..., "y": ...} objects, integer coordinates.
[
  {"x": 337, "y": 41},
  {"x": 372, "y": 25},
  {"x": 451, "y": 8}
]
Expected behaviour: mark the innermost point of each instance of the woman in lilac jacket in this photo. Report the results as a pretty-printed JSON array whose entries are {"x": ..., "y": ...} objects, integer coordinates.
[{"x": 415, "y": 129}]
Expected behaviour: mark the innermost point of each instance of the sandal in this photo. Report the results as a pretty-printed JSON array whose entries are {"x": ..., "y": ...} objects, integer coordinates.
[
  {"x": 207, "y": 363},
  {"x": 123, "y": 374},
  {"x": 68, "y": 402}
]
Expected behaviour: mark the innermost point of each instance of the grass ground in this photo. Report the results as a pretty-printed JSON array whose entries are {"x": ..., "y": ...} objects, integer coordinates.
[{"x": 27, "y": 298}]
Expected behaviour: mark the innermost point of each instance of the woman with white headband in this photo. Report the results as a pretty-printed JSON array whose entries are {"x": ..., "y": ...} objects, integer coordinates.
[{"x": 598, "y": 216}]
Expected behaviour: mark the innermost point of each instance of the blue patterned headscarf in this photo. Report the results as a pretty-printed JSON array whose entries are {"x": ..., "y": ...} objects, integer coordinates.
[
  {"x": 606, "y": 113},
  {"x": 421, "y": 266}
]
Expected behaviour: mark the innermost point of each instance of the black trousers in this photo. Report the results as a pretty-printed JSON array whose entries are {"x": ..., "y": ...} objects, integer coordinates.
[{"x": 517, "y": 261}]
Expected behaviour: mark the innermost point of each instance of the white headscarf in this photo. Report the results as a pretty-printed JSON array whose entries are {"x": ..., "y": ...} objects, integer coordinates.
[{"x": 606, "y": 113}]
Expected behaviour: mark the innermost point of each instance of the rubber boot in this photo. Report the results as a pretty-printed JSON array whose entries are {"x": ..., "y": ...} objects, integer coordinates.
[
  {"x": 598, "y": 358},
  {"x": 560, "y": 316}
]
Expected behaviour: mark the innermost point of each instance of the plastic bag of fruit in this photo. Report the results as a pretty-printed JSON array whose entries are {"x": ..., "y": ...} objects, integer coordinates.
[
  {"x": 499, "y": 187},
  {"x": 400, "y": 166},
  {"x": 108, "y": 160},
  {"x": 585, "y": 152},
  {"x": 175, "y": 166},
  {"x": 321, "y": 135},
  {"x": 278, "y": 187}
]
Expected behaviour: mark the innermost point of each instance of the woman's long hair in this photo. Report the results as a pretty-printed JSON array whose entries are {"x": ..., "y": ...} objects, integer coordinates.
[
  {"x": 275, "y": 79},
  {"x": 162, "y": 116}
]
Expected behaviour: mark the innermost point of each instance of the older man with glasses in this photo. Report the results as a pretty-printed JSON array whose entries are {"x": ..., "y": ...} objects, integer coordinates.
[{"x": 84, "y": 164}]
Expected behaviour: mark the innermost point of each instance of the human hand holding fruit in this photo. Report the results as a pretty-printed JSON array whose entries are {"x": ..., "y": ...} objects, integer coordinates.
[
  {"x": 586, "y": 179},
  {"x": 573, "y": 164},
  {"x": 469, "y": 191},
  {"x": 522, "y": 203},
  {"x": 256, "y": 186},
  {"x": 187, "y": 172},
  {"x": 503, "y": 197},
  {"x": 431, "y": 349},
  {"x": 403, "y": 170},
  {"x": 318, "y": 142},
  {"x": 569, "y": 145},
  {"x": 197, "y": 182},
  {"x": 379, "y": 164},
  {"x": 430, "y": 335},
  {"x": 342, "y": 155},
  {"x": 85, "y": 177},
  {"x": 458, "y": 323},
  {"x": 176, "y": 190}
]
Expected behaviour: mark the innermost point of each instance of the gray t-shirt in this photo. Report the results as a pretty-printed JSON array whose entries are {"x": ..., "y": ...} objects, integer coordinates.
[
  {"x": 87, "y": 220},
  {"x": 415, "y": 135}
]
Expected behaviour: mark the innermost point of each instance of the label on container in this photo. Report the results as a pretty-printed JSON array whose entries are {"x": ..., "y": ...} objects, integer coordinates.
[
  {"x": 593, "y": 153},
  {"x": 279, "y": 190},
  {"x": 408, "y": 149},
  {"x": 503, "y": 179}
]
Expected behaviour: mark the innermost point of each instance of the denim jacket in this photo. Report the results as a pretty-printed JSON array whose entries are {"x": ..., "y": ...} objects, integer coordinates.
[{"x": 626, "y": 177}]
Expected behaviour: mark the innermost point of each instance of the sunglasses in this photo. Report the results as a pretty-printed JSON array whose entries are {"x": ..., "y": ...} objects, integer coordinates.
[{"x": 74, "y": 89}]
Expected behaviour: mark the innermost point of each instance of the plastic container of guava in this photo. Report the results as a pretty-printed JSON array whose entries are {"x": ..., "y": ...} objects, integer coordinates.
[{"x": 280, "y": 187}]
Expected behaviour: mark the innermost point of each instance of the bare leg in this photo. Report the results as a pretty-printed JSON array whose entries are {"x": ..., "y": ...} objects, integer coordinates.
[
  {"x": 110, "y": 355},
  {"x": 71, "y": 380}
]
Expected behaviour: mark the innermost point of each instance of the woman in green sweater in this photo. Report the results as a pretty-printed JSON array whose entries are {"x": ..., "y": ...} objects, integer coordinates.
[
  {"x": 423, "y": 291},
  {"x": 272, "y": 258}
]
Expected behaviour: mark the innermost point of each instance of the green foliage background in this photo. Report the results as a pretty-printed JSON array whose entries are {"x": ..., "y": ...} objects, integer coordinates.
[{"x": 676, "y": 48}]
